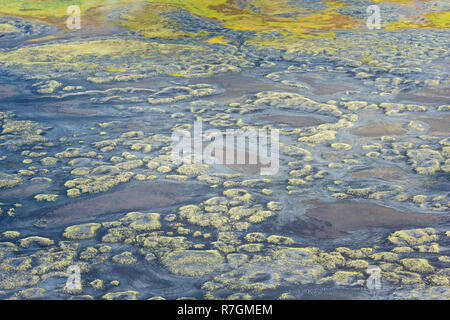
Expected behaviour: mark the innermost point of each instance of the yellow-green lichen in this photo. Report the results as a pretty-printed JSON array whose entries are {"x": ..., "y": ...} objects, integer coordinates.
[
  {"x": 193, "y": 262},
  {"x": 142, "y": 221},
  {"x": 81, "y": 231}
]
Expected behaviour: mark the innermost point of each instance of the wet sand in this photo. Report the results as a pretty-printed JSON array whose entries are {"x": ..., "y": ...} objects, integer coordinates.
[
  {"x": 380, "y": 129},
  {"x": 335, "y": 219},
  {"x": 145, "y": 196}
]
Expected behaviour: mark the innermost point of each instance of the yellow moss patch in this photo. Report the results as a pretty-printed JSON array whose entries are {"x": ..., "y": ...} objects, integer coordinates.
[
  {"x": 417, "y": 265},
  {"x": 274, "y": 206},
  {"x": 357, "y": 264},
  {"x": 72, "y": 193},
  {"x": 81, "y": 231},
  {"x": 403, "y": 250},
  {"x": 193, "y": 263},
  {"x": 81, "y": 171},
  {"x": 46, "y": 197},
  {"x": 341, "y": 146},
  {"x": 280, "y": 240},
  {"x": 193, "y": 169}
]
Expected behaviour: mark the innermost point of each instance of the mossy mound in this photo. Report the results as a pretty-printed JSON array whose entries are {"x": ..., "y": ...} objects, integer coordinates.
[
  {"x": 193, "y": 263},
  {"x": 82, "y": 231},
  {"x": 142, "y": 221}
]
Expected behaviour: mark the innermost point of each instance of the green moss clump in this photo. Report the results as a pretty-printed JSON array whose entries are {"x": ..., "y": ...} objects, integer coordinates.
[
  {"x": 251, "y": 247},
  {"x": 46, "y": 197},
  {"x": 193, "y": 170},
  {"x": 386, "y": 256},
  {"x": 123, "y": 295},
  {"x": 119, "y": 234},
  {"x": 11, "y": 234},
  {"x": 417, "y": 265},
  {"x": 343, "y": 278},
  {"x": 280, "y": 240},
  {"x": 9, "y": 180},
  {"x": 193, "y": 263},
  {"x": 255, "y": 237},
  {"x": 413, "y": 237},
  {"x": 357, "y": 264},
  {"x": 403, "y": 250},
  {"x": 124, "y": 258},
  {"x": 31, "y": 293},
  {"x": 41, "y": 241},
  {"x": 81, "y": 231}
]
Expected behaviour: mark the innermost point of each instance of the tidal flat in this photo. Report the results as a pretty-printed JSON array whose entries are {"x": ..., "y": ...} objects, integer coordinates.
[{"x": 87, "y": 176}]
